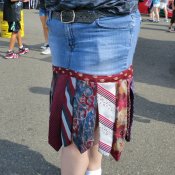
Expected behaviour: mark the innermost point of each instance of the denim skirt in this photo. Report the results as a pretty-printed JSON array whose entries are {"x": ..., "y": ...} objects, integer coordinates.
[{"x": 104, "y": 47}]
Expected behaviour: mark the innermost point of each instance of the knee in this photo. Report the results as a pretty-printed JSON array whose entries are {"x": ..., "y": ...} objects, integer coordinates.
[
  {"x": 94, "y": 156},
  {"x": 45, "y": 27},
  {"x": 72, "y": 149}
]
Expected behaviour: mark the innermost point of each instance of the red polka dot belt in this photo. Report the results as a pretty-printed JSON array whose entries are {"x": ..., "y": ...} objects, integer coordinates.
[{"x": 128, "y": 73}]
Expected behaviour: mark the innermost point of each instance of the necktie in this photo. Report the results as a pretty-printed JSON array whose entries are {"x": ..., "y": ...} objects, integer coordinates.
[
  {"x": 121, "y": 123},
  {"x": 84, "y": 114},
  {"x": 78, "y": 105},
  {"x": 106, "y": 98}
]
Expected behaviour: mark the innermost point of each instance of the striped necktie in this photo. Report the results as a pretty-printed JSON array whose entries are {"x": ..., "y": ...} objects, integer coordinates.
[{"x": 106, "y": 98}]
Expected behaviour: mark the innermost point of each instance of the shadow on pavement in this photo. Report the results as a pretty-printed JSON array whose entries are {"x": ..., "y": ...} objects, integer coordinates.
[
  {"x": 39, "y": 90},
  {"x": 151, "y": 110},
  {"x": 35, "y": 47},
  {"x": 17, "y": 159},
  {"x": 46, "y": 59},
  {"x": 148, "y": 28},
  {"x": 4, "y": 44},
  {"x": 164, "y": 25},
  {"x": 154, "y": 63}
]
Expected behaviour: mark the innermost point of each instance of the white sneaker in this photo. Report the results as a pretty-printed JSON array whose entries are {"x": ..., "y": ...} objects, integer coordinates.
[
  {"x": 166, "y": 20},
  {"x": 44, "y": 46},
  {"x": 46, "y": 51}
]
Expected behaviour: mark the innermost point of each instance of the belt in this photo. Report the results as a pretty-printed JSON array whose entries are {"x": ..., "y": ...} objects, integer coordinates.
[
  {"x": 79, "y": 16},
  {"x": 126, "y": 74}
]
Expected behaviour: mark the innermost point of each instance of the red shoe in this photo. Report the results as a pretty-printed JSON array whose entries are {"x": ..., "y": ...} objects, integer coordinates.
[
  {"x": 11, "y": 55},
  {"x": 23, "y": 51}
]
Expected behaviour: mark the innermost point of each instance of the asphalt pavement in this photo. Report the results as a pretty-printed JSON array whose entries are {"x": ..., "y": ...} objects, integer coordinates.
[{"x": 24, "y": 107}]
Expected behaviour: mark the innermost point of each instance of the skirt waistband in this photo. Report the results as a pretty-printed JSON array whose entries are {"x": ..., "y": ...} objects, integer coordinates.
[{"x": 128, "y": 73}]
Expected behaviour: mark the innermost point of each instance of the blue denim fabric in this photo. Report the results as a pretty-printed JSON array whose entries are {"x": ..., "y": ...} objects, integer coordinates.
[
  {"x": 43, "y": 12},
  {"x": 104, "y": 47}
]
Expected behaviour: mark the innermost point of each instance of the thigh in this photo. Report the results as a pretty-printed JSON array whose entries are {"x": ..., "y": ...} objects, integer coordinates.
[
  {"x": 43, "y": 12},
  {"x": 72, "y": 161},
  {"x": 43, "y": 20}
]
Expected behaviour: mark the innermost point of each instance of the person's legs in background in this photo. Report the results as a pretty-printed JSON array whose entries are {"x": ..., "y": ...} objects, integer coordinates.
[
  {"x": 10, "y": 53},
  {"x": 170, "y": 29},
  {"x": 151, "y": 13},
  {"x": 156, "y": 12},
  {"x": 45, "y": 29},
  {"x": 152, "y": 16},
  {"x": 43, "y": 19},
  {"x": 22, "y": 50},
  {"x": 163, "y": 6},
  {"x": 166, "y": 13},
  {"x": 15, "y": 27}
]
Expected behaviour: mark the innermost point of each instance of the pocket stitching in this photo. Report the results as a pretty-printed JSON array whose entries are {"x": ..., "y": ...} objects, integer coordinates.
[{"x": 105, "y": 26}]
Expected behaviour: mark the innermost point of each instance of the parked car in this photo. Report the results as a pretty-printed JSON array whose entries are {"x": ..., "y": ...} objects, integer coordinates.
[{"x": 143, "y": 8}]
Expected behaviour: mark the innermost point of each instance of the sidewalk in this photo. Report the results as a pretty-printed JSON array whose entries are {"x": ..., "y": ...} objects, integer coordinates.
[{"x": 24, "y": 107}]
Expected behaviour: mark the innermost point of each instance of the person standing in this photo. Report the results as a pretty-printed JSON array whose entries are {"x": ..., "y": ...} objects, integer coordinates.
[
  {"x": 172, "y": 21},
  {"x": 43, "y": 17},
  {"x": 163, "y": 5},
  {"x": 156, "y": 5},
  {"x": 12, "y": 14},
  {"x": 151, "y": 12},
  {"x": 91, "y": 96}
]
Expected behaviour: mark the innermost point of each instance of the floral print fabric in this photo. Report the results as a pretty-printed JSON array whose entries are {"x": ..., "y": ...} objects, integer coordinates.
[{"x": 84, "y": 114}]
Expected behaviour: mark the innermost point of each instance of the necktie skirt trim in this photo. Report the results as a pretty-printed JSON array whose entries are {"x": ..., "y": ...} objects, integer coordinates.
[{"x": 76, "y": 105}]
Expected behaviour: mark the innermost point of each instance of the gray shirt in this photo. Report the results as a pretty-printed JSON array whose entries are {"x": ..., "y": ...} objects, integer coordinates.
[{"x": 119, "y": 7}]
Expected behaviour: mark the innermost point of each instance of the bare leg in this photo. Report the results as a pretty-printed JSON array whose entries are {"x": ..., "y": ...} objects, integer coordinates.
[
  {"x": 156, "y": 11},
  {"x": 45, "y": 29},
  {"x": 170, "y": 27},
  {"x": 73, "y": 162},
  {"x": 12, "y": 41},
  {"x": 151, "y": 15},
  {"x": 95, "y": 158},
  {"x": 166, "y": 13},
  {"x": 19, "y": 39}
]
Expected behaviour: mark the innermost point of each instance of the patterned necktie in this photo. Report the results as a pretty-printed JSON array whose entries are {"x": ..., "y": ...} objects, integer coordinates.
[
  {"x": 106, "y": 98},
  {"x": 123, "y": 119},
  {"x": 76, "y": 106},
  {"x": 84, "y": 114}
]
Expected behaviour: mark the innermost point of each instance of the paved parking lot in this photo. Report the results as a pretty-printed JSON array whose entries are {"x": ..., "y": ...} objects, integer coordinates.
[{"x": 24, "y": 90}]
